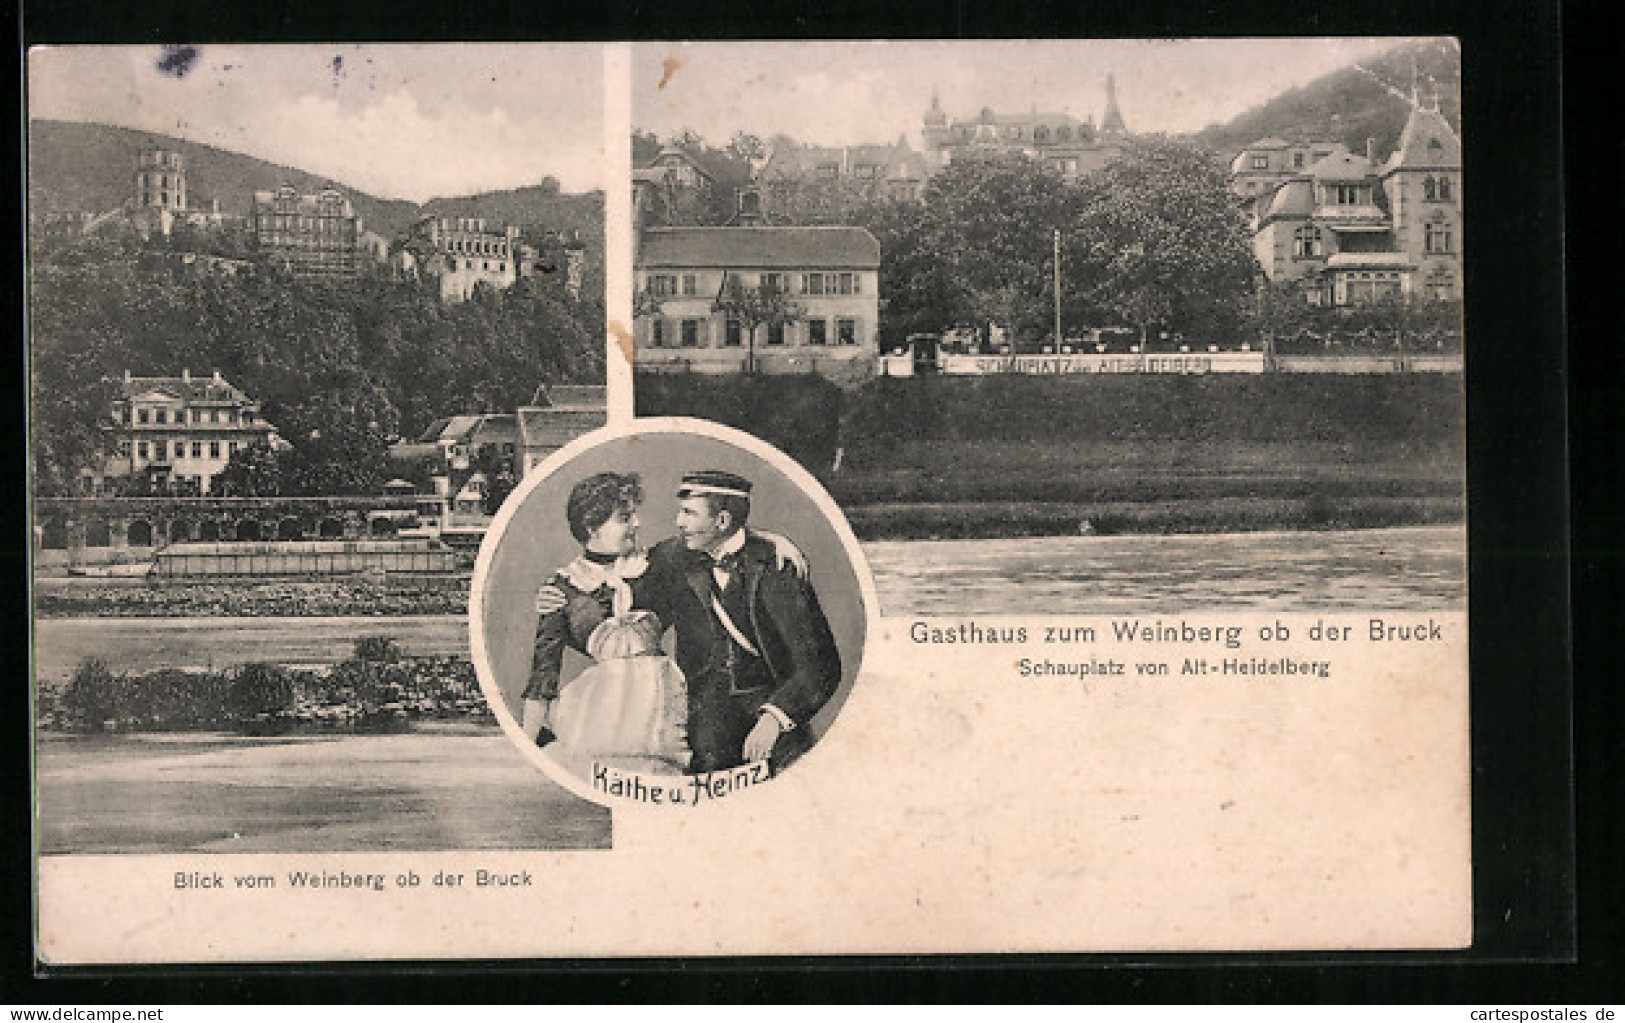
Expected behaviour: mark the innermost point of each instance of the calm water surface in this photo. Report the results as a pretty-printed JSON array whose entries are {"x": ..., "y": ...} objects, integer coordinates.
[
  {"x": 1396, "y": 569},
  {"x": 1409, "y": 568}
]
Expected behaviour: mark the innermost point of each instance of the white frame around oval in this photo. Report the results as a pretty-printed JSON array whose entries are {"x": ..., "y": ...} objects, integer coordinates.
[{"x": 792, "y": 470}]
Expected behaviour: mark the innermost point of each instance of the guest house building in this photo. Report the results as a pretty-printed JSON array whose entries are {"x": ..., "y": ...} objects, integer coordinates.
[
  {"x": 822, "y": 284},
  {"x": 178, "y": 433}
]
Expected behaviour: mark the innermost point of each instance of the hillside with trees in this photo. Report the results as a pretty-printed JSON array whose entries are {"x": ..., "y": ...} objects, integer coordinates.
[
  {"x": 342, "y": 367},
  {"x": 91, "y": 167},
  {"x": 1351, "y": 105}
]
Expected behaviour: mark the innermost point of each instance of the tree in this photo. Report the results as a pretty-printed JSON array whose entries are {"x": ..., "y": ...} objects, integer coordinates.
[
  {"x": 764, "y": 305},
  {"x": 261, "y": 698},
  {"x": 988, "y": 222},
  {"x": 1158, "y": 241},
  {"x": 746, "y": 147},
  {"x": 255, "y": 470},
  {"x": 499, "y": 476},
  {"x": 92, "y": 699}
]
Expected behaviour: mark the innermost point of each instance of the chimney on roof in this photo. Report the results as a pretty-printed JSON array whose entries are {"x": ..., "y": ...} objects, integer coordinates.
[
  {"x": 186, "y": 375},
  {"x": 126, "y": 376},
  {"x": 217, "y": 376},
  {"x": 1371, "y": 149}
]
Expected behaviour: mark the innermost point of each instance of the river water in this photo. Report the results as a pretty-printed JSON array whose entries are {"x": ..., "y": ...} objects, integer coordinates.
[
  {"x": 1412, "y": 568},
  {"x": 1392, "y": 569}
]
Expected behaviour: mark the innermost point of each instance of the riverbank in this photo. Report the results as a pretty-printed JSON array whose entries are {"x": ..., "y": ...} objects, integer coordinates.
[
  {"x": 353, "y": 596},
  {"x": 1010, "y": 455},
  {"x": 443, "y": 787},
  {"x": 994, "y": 520}
]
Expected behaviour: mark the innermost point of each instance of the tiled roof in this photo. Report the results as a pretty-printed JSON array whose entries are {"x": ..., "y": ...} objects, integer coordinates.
[
  {"x": 1024, "y": 118},
  {"x": 686, "y": 156},
  {"x": 1296, "y": 198},
  {"x": 584, "y": 397},
  {"x": 196, "y": 388},
  {"x": 495, "y": 428},
  {"x": 552, "y": 427},
  {"x": 1342, "y": 166},
  {"x": 759, "y": 247},
  {"x": 308, "y": 204},
  {"x": 1426, "y": 142},
  {"x": 407, "y": 451},
  {"x": 459, "y": 428}
]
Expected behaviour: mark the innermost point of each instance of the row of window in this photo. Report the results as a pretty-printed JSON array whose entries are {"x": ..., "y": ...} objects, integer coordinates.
[
  {"x": 690, "y": 333},
  {"x": 468, "y": 264},
  {"x": 482, "y": 247},
  {"x": 1261, "y": 161},
  {"x": 1371, "y": 286},
  {"x": 687, "y": 285},
  {"x": 1041, "y": 133},
  {"x": 1436, "y": 189},
  {"x": 1309, "y": 242},
  {"x": 303, "y": 224},
  {"x": 160, "y": 415},
  {"x": 160, "y": 450},
  {"x": 1345, "y": 194}
]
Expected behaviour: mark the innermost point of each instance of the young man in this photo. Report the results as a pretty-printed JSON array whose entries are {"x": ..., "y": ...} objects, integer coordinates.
[{"x": 752, "y": 641}]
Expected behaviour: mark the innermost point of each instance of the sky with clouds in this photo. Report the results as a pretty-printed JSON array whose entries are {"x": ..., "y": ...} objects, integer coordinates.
[
  {"x": 844, "y": 93},
  {"x": 399, "y": 122}
]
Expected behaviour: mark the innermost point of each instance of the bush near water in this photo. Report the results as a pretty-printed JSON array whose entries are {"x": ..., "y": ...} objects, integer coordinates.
[
  {"x": 1011, "y": 454},
  {"x": 377, "y": 689}
]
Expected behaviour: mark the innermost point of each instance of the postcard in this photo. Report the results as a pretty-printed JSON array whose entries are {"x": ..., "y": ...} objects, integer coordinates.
[{"x": 791, "y": 498}]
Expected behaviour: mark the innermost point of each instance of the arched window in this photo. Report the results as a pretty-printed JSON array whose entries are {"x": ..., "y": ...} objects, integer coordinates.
[
  {"x": 1430, "y": 188},
  {"x": 1444, "y": 188}
]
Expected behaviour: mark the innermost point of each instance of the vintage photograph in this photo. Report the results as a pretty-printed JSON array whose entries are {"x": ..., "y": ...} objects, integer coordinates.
[
  {"x": 300, "y": 318},
  {"x": 1080, "y": 325},
  {"x": 668, "y": 603}
]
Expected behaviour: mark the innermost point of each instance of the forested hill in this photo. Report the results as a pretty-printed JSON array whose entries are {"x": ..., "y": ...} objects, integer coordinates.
[
  {"x": 1350, "y": 105},
  {"x": 91, "y": 167},
  {"x": 73, "y": 166}
]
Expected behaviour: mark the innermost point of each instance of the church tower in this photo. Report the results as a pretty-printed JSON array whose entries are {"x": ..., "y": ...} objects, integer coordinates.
[
  {"x": 935, "y": 132},
  {"x": 1112, "y": 123}
]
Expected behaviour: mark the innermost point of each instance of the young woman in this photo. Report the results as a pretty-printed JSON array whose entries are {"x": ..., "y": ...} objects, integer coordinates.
[{"x": 628, "y": 707}]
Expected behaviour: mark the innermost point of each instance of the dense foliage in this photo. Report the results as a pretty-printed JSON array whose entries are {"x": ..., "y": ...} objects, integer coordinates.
[
  {"x": 1152, "y": 241},
  {"x": 379, "y": 688},
  {"x": 341, "y": 367}
]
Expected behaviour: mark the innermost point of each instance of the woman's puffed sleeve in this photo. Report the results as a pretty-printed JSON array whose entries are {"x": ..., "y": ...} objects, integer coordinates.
[{"x": 552, "y": 633}]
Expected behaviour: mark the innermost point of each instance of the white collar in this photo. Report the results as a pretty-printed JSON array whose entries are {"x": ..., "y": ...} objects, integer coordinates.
[{"x": 587, "y": 575}]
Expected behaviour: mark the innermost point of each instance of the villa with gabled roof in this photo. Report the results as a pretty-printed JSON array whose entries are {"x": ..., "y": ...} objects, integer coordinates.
[{"x": 1351, "y": 228}]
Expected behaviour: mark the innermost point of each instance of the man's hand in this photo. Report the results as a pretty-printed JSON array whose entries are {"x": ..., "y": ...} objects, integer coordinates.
[
  {"x": 759, "y": 743},
  {"x": 789, "y": 555},
  {"x": 549, "y": 599}
]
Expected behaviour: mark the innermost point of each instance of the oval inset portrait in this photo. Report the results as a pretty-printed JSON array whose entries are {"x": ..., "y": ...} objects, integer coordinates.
[{"x": 674, "y": 607}]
